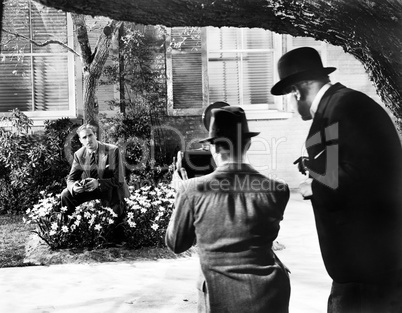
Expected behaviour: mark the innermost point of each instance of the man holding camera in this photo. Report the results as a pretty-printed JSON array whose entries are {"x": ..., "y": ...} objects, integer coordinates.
[
  {"x": 234, "y": 215},
  {"x": 354, "y": 164}
]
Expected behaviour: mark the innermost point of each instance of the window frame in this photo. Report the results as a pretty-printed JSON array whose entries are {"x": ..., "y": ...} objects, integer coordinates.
[
  {"x": 253, "y": 112},
  {"x": 39, "y": 116}
]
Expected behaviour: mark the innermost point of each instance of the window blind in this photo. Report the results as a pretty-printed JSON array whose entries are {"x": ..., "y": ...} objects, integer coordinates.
[
  {"x": 241, "y": 66},
  {"x": 34, "y": 78}
]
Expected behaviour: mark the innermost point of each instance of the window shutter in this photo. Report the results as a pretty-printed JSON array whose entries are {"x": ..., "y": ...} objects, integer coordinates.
[{"x": 187, "y": 77}]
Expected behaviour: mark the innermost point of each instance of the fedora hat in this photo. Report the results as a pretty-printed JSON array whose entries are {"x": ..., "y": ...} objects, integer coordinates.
[
  {"x": 298, "y": 65},
  {"x": 228, "y": 122},
  {"x": 206, "y": 116}
]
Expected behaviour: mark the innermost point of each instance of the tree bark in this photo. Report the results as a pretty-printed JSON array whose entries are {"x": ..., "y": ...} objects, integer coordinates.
[
  {"x": 371, "y": 30},
  {"x": 93, "y": 63}
]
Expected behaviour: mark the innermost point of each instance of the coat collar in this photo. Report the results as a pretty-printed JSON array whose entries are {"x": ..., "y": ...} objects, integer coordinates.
[{"x": 322, "y": 106}]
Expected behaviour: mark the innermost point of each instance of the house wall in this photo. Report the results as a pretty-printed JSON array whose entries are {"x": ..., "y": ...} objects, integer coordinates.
[{"x": 272, "y": 152}]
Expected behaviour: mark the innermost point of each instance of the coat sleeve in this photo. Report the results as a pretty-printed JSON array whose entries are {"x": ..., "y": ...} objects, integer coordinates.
[
  {"x": 180, "y": 234},
  {"x": 75, "y": 173}
]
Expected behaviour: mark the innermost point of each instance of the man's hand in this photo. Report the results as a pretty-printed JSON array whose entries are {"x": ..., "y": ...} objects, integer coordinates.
[
  {"x": 305, "y": 189},
  {"x": 302, "y": 164},
  {"x": 78, "y": 187},
  {"x": 91, "y": 184},
  {"x": 85, "y": 185},
  {"x": 179, "y": 173}
]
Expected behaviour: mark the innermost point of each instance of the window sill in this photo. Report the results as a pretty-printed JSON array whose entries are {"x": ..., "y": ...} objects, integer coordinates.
[{"x": 267, "y": 115}]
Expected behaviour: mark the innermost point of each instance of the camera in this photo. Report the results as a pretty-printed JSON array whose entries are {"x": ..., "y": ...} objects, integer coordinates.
[{"x": 197, "y": 163}]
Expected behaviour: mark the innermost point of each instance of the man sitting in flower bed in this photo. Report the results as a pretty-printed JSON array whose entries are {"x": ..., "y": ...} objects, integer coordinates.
[{"x": 97, "y": 172}]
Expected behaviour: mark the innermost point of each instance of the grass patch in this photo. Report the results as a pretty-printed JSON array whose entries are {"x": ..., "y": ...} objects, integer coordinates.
[{"x": 13, "y": 236}]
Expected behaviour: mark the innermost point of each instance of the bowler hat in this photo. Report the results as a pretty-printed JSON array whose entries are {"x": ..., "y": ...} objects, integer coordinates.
[
  {"x": 298, "y": 65},
  {"x": 230, "y": 123},
  {"x": 206, "y": 116}
]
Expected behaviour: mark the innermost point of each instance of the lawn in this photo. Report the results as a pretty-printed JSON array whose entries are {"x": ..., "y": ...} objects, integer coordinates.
[{"x": 13, "y": 235}]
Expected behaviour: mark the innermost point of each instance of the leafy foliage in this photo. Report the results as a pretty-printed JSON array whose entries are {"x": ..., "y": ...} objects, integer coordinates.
[
  {"x": 140, "y": 69},
  {"x": 30, "y": 163}
]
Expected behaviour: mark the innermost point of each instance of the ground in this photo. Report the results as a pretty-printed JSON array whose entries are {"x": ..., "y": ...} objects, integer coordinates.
[{"x": 163, "y": 285}]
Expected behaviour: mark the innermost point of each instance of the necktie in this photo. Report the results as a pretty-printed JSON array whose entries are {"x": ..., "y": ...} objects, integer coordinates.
[{"x": 93, "y": 166}]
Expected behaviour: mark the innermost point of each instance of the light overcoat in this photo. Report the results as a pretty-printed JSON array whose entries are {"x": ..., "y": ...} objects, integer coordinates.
[
  {"x": 110, "y": 174},
  {"x": 233, "y": 214}
]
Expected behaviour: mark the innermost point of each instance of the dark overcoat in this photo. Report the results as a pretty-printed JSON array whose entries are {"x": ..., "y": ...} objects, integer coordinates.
[
  {"x": 355, "y": 160},
  {"x": 234, "y": 214}
]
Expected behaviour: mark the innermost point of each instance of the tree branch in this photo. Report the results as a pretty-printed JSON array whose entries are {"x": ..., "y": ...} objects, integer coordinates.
[{"x": 47, "y": 42}]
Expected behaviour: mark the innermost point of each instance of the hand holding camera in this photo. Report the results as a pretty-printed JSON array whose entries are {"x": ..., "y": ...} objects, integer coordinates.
[{"x": 85, "y": 185}]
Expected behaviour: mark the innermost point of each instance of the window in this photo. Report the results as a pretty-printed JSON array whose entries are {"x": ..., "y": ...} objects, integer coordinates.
[
  {"x": 235, "y": 65},
  {"x": 36, "y": 80}
]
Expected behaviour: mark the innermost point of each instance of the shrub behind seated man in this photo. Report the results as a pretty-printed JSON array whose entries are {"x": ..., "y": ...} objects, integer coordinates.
[{"x": 97, "y": 172}]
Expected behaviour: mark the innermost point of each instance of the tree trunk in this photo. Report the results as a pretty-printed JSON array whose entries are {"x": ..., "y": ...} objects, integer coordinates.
[
  {"x": 371, "y": 30},
  {"x": 93, "y": 63}
]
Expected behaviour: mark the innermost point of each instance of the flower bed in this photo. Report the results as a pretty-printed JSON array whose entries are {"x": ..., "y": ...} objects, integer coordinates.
[{"x": 148, "y": 211}]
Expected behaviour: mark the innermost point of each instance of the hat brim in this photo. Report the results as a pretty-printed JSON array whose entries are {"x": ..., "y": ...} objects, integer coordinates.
[
  {"x": 245, "y": 135},
  {"x": 281, "y": 87}
]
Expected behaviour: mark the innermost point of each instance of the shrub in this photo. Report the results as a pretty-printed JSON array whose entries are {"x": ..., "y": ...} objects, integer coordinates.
[
  {"x": 30, "y": 163},
  {"x": 91, "y": 225},
  {"x": 149, "y": 209},
  {"x": 132, "y": 133}
]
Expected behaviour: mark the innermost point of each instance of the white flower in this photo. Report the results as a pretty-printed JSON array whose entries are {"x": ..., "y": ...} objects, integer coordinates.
[
  {"x": 130, "y": 215},
  {"x": 98, "y": 227},
  {"x": 54, "y": 226},
  {"x": 64, "y": 209},
  {"x": 143, "y": 210},
  {"x": 52, "y": 233},
  {"x": 154, "y": 227},
  {"x": 64, "y": 229},
  {"x": 132, "y": 224},
  {"x": 110, "y": 221}
]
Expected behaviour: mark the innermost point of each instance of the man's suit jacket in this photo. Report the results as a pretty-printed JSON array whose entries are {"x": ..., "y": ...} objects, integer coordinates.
[
  {"x": 234, "y": 214},
  {"x": 110, "y": 174},
  {"x": 355, "y": 160}
]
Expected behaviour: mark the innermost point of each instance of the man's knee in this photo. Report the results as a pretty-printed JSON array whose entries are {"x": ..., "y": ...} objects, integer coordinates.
[{"x": 65, "y": 194}]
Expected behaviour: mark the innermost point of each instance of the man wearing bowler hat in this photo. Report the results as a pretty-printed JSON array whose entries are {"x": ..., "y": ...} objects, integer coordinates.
[
  {"x": 354, "y": 167},
  {"x": 233, "y": 214}
]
